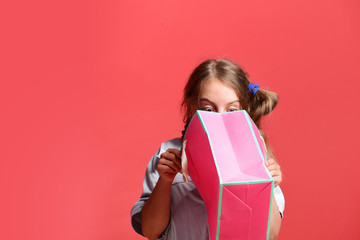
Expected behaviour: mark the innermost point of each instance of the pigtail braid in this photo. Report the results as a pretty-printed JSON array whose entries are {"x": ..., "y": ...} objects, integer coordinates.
[{"x": 261, "y": 104}]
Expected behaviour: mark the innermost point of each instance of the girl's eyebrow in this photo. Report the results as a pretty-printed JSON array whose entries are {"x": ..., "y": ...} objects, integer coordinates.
[
  {"x": 207, "y": 100},
  {"x": 235, "y": 101}
]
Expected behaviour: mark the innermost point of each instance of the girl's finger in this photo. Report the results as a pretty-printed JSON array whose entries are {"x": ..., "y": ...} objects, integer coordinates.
[
  {"x": 175, "y": 156},
  {"x": 169, "y": 163},
  {"x": 165, "y": 169},
  {"x": 168, "y": 156},
  {"x": 175, "y": 151},
  {"x": 276, "y": 174},
  {"x": 270, "y": 161},
  {"x": 273, "y": 167},
  {"x": 277, "y": 181}
]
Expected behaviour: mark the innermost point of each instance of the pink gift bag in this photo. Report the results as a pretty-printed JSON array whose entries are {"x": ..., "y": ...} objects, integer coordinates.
[{"x": 226, "y": 161}]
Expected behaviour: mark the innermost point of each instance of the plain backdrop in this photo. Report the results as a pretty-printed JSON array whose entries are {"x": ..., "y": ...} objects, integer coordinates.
[{"x": 90, "y": 89}]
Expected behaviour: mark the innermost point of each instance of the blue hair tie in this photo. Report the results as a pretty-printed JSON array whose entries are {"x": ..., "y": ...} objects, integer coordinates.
[{"x": 253, "y": 88}]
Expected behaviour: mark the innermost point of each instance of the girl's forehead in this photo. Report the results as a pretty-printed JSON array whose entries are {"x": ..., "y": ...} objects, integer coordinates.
[{"x": 215, "y": 88}]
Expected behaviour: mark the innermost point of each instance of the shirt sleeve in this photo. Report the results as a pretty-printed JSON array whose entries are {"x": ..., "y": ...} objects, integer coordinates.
[
  {"x": 280, "y": 200},
  {"x": 150, "y": 180}
]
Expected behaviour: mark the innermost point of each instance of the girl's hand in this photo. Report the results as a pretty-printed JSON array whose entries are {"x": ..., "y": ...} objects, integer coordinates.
[
  {"x": 274, "y": 170},
  {"x": 169, "y": 164}
]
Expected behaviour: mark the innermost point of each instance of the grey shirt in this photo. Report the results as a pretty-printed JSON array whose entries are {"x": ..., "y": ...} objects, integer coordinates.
[{"x": 188, "y": 213}]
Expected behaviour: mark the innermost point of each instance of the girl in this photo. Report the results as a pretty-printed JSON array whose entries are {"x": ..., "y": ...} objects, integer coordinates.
[{"x": 168, "y": 207}]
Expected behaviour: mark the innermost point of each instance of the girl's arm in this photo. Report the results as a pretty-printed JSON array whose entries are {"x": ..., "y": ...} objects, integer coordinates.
[{"x": 155, "y": 213}]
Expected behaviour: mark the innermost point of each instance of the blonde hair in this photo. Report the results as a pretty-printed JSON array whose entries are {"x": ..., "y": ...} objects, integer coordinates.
[{"x": 228, "y": 72}]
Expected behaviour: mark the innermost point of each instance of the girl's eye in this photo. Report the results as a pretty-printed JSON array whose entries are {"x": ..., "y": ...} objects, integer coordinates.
[
  {"x": 209, "y": 109},
  {"x": 232, "y": 110}
]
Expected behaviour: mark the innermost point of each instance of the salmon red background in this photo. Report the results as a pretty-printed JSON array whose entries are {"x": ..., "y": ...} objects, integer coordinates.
[{"x": 90, "y": 89}]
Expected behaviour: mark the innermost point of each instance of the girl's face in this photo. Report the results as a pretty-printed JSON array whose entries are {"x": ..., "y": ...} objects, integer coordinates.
[{"x": 216, "y": 96}]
